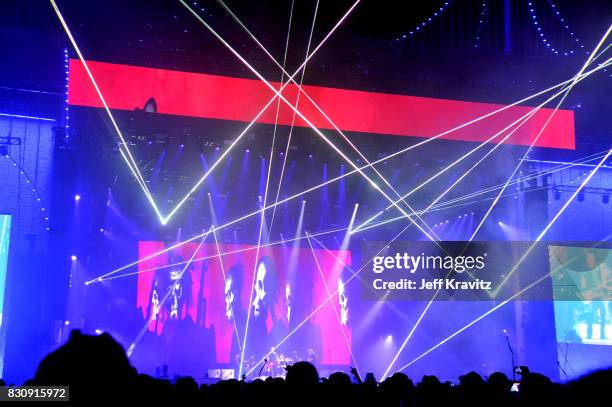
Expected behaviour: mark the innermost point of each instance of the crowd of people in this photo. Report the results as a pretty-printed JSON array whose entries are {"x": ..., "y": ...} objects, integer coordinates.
[{"x": 97, "y": 368}]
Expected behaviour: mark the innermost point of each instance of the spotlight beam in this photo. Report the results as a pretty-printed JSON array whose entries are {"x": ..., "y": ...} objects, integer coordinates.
[
  {"x": 301, "y": 91},
  {"x": 213, "y": 213},
  {"x": 306, "y": 120},
  {"x": 330, "y": 295},
  {"x": 469, "y": 153},
  {"x": 129, "y": 159},
  {"x": 351, "y": 223},
  {"x": 316, "y": 310}
]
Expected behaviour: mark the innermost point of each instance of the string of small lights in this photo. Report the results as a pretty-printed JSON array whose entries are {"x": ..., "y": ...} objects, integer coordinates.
[
  {"x": 67, "y": 111},
  {"x": 562, "y": 20},
  {"x": 481, "y": 19},
  {"x": 426, "y": 22},
  {"x": 547, "y": 44},
  {"x": 30, "y": 182}
]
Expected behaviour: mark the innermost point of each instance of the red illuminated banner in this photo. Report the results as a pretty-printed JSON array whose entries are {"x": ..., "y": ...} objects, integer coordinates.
[{"x": 128, "y": 87}]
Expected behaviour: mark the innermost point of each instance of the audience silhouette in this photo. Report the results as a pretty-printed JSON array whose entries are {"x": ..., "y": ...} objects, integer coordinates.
[{"x": 97, "y": 368}]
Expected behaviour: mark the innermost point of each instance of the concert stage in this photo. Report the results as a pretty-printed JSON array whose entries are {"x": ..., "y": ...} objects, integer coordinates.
[{"x": 229, "y": 189}]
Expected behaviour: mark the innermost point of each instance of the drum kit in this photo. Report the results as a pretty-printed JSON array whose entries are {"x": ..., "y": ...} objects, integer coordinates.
[{"x": 277, "y": 364}]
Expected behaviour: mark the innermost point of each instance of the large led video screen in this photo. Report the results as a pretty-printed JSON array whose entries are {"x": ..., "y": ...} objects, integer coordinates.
[
  {"x": 5, "y": 234},
  {"x": 582, "y": 288},
  {"x": 196, "y": 305}
]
